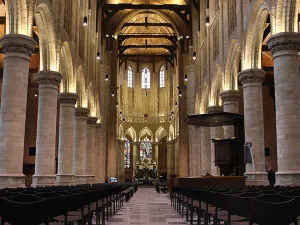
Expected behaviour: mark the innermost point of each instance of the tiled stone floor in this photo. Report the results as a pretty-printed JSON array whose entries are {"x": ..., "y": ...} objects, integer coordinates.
[{"x": 147, "y": 207}]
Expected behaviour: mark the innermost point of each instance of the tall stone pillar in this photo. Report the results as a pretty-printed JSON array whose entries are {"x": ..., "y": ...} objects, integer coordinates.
[
  {"x": 194, "y": 159},
  {"x": 155, "y": 151},
  {"x": 252, "y": 80},
  {"x": 65, "y": 174},
  {"x": 170, "y": 158},
  {"x": 205, "y": 151},
  {"x": 176, "y": 156},
  {"x": 100, "y": 162},
  {"x": 17, "y": 50},
  {"x": 46, "y": 128},
  {"x": 90, "y": 153},
  {"x": 285, "y": 48},
  {"x": 215, "y": 132},
  {"x": 230, "y": 101},
  {"x": 183, "y": 134},
  {"x": 81, "y": 115},
  {"x": 121, "y": 162},
  {"x": 155, "y": 155},
  {"x": 135, "y": 156}
]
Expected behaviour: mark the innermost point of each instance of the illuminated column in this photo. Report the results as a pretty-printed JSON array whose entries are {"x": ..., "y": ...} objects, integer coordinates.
[
  {"x": 65, "y": 174},
  {"x": 135, "y": 156},
  {"x": 285, "y": 49},
  {"x": 215, "y": 132},
  {"x": 90, "y": 153},
  {"x": 176, "y": 156},
  {"x": 183, "y": 134},
  {"x": 120, "y": 154},
  {"x": 46, "y": 128},
  {"x": 17, "y": 50},
  {"x": 252, "y": 80},
  {"x": 81, "y": 115},
  {"x": 171, "y": 158},
  {"x": 155, "y": 151},
  {"x": 100, "y": 162},
  {"x": 205, "y": 151},
  {"x": 230, "y": 101}
]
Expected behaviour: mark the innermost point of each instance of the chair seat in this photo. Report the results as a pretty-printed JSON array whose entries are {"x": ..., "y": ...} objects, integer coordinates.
[
  {"x": 240, "y": 223},
  {"x": 234, "y": 218},
  {"x": 70, "y": 218}
]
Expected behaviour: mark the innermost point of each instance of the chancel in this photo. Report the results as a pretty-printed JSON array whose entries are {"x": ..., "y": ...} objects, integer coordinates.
[{"x": 182, "y": 102}]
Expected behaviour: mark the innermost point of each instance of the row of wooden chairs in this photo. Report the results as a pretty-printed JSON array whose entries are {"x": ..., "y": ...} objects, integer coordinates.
[
  {"x": 61, "y": 205},
  {"x": 263, "y": 205}
]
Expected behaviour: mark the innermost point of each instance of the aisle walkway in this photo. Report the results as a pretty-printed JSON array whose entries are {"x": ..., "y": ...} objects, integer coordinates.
[{"x": 147, "y": 207}]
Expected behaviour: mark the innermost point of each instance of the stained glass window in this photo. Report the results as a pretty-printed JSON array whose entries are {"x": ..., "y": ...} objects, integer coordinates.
[
  {"x": 145, "y": 149},
  {"x": 146, "y": 78},
  {"x": 162, "y": 77},
  {"x": 127, "y": 154},
  {"x": 130, "y": 77}
]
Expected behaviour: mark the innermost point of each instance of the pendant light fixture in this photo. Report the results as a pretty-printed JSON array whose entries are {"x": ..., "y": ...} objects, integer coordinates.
[
  {"x": 85, "y": 21},
  {"x": 98, "y": 55}
]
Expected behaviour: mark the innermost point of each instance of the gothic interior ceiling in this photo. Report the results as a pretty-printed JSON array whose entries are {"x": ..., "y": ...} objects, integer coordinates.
[{"x": 146, "y": 30}]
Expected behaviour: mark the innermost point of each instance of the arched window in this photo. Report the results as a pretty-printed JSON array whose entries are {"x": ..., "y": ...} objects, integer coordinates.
[
  {"x": 146, "y": 78},
  {"x": 127, "y": 154},
  {"x": 130, "y": 77},
  {"x": 162, "y": 77},
  {"x": 145, "y": 149}
]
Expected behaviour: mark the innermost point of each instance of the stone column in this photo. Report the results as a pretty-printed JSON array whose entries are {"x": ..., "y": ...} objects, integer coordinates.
[
  {"x": 215, "y": 132},
  {"x": 46, "y": 128},
  {"x": 176, "y": 156},
  {"x": 171, "y": 158},
  {"x": 100, "y": 163},
  {"x": 230, "y": 101},
  {"x": 80, "y": 145},
  {"x": 285, "y": 48},
  {"x": 252, "y": 80},
  {"x": 135, "y": 156},
  {"x": 194, "y": 159},
  {"x": 65, "y": 174},
  {"x": 205, "y": 151},
  {"x": 155, "y": 152},
  {"x": 121, "y": 162},
  {"x": 17, "y": 50},
  {"x": 90, "y": 153},
  {"x": 183, "y": 135}
]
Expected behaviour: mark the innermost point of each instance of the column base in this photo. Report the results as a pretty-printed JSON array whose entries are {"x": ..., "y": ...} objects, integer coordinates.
[
  {"x": 64, "y": 179},
  {"x": 285, "y": 178},
  {"x": 256, "y": 178},
  {"x": 12, "y": 180},
  {"x": 91, "y": 179},
  {"x": 43, "y": 180},
  {"x": 80, "y": 179}
]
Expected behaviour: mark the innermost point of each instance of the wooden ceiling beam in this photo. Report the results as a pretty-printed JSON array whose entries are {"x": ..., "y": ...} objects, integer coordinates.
[{"x": 148, "y": 24}]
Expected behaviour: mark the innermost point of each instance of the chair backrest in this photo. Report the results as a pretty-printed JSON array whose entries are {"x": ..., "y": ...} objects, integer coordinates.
[
  {"x": 24, "y": 209},
  {"x": 270, "y": 213},
  {"x": 240, "y": 204}
]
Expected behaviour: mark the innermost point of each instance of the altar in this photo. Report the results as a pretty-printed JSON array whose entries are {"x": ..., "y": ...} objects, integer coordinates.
[{"x": 146, "y": 171}]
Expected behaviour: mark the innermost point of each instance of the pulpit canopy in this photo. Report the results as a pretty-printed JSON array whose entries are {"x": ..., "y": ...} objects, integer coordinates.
[{"x": 215, "y": 119}]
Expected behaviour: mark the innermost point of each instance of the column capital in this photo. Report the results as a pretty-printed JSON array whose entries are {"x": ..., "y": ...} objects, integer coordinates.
[
  {"x": 48, "y": 77},
  {"x": 252, "y": 76},
  {"x": 82, "y": 112},
  {"x": 17, "y": 43},
  {"x": 92, "y": 120},
  {"x": 286, "y": 41},
  {"x": 230, "y": 95},
  {"x": 170, "y": 142},
  {"x": 67, "y": 98},
  {"x": 214, "y": 109},
  {"x": 98, "y": 125}
]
